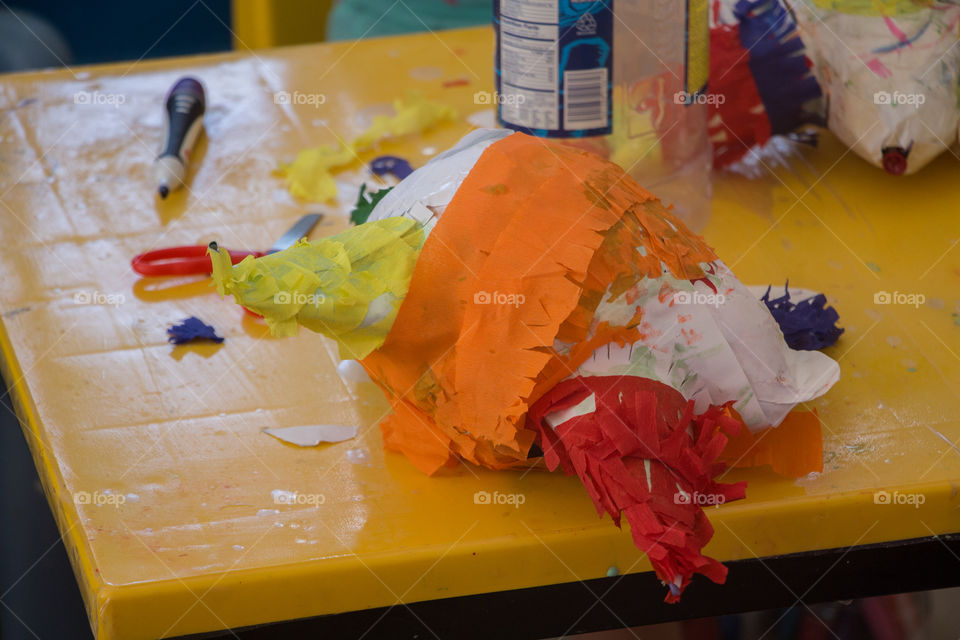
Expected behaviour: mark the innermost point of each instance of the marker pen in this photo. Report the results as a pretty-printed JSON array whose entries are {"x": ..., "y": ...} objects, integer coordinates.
[{"x": 185, "y": 107}]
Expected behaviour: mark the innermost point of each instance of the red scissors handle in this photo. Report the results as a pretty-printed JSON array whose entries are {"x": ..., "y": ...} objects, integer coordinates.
[{"x": 182, "y": 261}]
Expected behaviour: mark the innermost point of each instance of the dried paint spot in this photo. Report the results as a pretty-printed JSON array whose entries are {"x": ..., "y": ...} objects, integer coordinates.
[
  {"x": 873, "y": 266},
  {"x": 426, "y": 74},
  {"x": 496, "y": 189}
]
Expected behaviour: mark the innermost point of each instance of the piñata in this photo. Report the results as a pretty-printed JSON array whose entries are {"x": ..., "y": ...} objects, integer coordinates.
[
  {"x": 515, "y": 292},
  {"x": 889, "y": 70}
]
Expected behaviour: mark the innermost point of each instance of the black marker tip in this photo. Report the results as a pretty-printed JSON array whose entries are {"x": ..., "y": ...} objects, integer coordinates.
[{"x": 164, "y": 191}]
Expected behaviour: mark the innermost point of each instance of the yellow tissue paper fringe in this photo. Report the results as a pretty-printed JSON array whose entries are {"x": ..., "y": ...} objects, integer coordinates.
[
  {"x": 347, "y": 287},
  {"x": 309, "y": 176}
]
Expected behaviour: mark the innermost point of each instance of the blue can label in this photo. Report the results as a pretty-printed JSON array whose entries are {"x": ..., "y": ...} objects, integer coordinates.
[{"x": 554, "y": 66}]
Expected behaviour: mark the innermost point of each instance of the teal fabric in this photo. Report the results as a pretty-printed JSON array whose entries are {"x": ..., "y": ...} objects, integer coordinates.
[{"x": 355, "y": 19}]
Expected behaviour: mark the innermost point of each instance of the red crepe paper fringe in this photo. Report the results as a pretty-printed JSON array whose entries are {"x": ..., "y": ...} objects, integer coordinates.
[{"x": 643, "y": 429}]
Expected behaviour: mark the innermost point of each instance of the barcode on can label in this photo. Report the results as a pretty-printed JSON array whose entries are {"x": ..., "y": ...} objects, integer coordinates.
[{"x": 585, "y": 98}]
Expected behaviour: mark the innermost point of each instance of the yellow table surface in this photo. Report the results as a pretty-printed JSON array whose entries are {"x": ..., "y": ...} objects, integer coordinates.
[{"x": 199, "y": 543}]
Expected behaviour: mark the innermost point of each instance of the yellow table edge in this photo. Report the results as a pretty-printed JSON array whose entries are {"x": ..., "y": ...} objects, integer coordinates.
[{"x": 49, "y": 473}]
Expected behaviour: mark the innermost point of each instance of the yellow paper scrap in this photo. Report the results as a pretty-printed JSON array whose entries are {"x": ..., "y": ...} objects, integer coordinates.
[
  {"x": 415, "y": 114},
  {"x": 310, "y": 177}
]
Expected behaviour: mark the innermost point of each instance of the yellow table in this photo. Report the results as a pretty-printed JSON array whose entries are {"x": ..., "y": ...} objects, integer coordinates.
[{"x": 198, "y": 542}]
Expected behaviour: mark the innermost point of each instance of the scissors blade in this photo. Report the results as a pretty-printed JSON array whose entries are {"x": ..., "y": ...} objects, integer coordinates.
[{"x": 297, "y": 231}]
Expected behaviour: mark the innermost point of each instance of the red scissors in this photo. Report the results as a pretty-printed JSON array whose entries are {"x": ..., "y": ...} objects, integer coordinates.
[{"x": 193, "y": 259}]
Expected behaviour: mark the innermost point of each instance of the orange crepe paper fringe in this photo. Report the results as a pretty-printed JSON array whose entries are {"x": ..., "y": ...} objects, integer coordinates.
[
  {"x": 793, "y": 449},
  {"x": 520, "y": 259}
]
